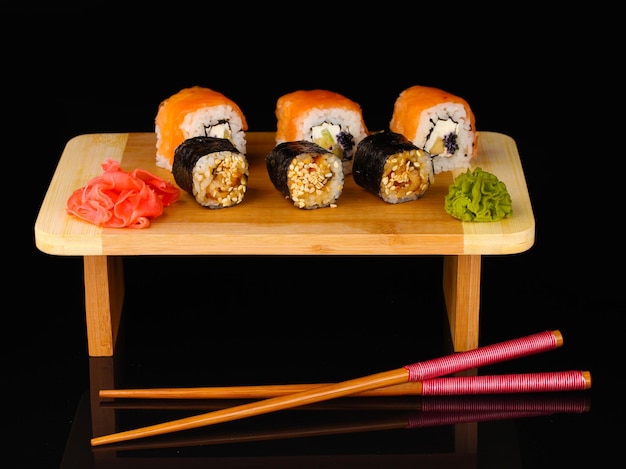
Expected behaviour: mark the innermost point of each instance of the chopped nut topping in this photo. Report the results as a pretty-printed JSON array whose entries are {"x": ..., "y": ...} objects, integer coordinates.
[
  {"x": 313, "y": 180},
  {"x": 221, "y": 179},
  {"x": 402, "y": 175}
]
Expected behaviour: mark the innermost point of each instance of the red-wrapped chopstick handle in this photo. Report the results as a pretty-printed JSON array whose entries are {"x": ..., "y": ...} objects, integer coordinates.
[
  {"x": 486, "y": 355},
  {"x": 508, "y": 383}
]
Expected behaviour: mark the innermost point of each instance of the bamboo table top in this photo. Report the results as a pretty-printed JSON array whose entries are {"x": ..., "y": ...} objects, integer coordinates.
[{"x": 267, "y": 223}]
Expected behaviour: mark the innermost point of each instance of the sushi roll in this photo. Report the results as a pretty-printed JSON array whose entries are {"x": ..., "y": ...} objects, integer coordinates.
[
  {"x": 389, "y": 165},
  {"x": 212, "y": 170},
  {"x": 440, "y": 123},
  {"x": 194, "y": 112},
  {"x": 305, "y": 173},
  {"x": 324, "y": 117}
]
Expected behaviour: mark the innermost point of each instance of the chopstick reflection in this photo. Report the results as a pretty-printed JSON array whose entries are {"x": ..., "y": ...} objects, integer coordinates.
[{"x": 377, "y": 414}]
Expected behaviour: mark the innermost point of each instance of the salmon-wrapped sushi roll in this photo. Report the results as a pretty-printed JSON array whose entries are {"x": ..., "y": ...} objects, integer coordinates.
[
  {"x": 389, "y": 165},
  {"x": 194, "y": 112},
  {"x": 212, "y": 170},
  {"x": 324, "y": 117},
  {"x": 305, "y": 173},
  {"x": 440, "y": 123}
]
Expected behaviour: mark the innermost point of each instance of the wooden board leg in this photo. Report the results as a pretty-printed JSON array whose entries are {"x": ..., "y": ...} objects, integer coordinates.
[
  {"x": 461, "y": 288},
  {"x": 104, "y": 295}
]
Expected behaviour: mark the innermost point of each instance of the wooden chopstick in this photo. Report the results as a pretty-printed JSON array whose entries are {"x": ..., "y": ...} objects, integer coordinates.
[
  {"x": 557, "y": 401},
  {"x": 249, "y": 392},
  {"x": 462, "y": 385},
  {"x": 374, "y": 403},
  {"x": 419, "y": 371}
]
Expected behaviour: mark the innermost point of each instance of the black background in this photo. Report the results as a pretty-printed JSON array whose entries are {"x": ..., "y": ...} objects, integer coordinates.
[{"x": 101, "y": 68}]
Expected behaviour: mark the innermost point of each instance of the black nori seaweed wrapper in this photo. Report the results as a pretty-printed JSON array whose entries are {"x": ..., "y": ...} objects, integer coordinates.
[
  {"x": 372, "y": 153},
  {"x": 280, "y": 157},
  {"x": 190, "y": 151}
]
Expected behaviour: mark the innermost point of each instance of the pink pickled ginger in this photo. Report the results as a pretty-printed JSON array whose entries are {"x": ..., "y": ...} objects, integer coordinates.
[{"x": 119, "y": 199}]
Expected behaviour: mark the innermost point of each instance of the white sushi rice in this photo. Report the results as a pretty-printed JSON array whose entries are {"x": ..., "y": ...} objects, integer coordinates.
[
  {"x": 349, "y": 121},
  {"x": 439, "y": 121},
  {"x": 220, "y": 179},
  {"x": 216, "y": 121}
]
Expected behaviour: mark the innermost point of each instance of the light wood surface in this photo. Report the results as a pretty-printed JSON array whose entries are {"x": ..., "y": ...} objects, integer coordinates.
[{"x": 266, "y": 223}]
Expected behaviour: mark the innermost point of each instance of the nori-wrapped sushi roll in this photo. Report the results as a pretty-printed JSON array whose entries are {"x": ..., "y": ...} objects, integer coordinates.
[
  {"x": 305, "y": 173},
  {"x": 212, "y": 170},
  {"x": 390, "y": 166}
]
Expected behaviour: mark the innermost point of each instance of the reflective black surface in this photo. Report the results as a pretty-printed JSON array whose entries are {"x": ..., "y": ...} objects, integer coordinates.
[
  {"x": 190, "y": 341},
  {"x": 236, "y": 320}
]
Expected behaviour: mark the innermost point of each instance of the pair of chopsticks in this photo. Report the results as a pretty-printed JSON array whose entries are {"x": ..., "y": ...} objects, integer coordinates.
[{"x": 421, "y": 374}]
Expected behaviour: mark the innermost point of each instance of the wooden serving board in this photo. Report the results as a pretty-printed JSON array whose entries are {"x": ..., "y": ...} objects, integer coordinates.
[{"x": 267, "y": 223}]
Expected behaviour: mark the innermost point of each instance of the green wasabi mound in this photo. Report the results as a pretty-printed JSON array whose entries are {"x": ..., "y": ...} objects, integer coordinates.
[{"x": 478, "y": 196}]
